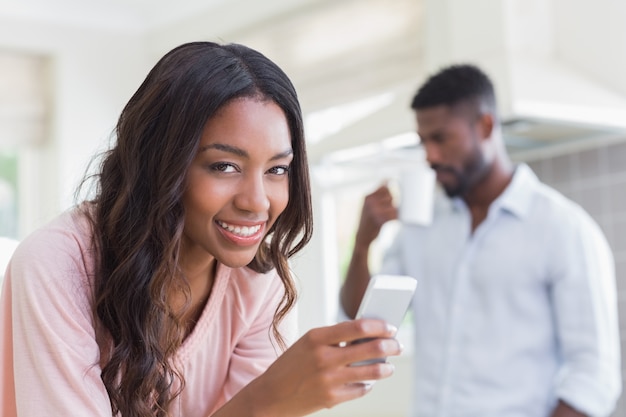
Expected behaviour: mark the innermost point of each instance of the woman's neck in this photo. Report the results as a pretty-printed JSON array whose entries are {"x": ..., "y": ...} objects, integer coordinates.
[{"x": 200, "y": 277}]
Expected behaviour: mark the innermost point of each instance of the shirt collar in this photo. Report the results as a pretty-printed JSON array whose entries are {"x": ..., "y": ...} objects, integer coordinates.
[{"x": 517, "y": 197}]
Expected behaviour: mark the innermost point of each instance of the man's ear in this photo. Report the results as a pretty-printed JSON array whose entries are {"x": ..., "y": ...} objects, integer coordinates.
[{"x": 485, "y": 124}]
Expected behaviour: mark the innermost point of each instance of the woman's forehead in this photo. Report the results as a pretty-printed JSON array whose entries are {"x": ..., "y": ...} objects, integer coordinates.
[{"x": 249, "y": 122}]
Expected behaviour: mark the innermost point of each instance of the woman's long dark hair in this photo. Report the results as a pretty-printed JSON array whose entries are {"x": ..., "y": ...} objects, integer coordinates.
[{"x": 137, "y": 213}]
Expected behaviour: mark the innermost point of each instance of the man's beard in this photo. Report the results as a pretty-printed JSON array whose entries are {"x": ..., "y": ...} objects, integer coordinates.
[
  {"x": 458, "y": 186},
  {"x": 474, "y": 169}
]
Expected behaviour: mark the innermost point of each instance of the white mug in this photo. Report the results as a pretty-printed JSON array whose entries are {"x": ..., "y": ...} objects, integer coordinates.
[{"x": 417, "y": 195}]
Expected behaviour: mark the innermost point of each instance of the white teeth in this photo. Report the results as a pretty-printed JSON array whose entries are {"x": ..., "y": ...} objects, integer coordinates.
[{"x": 243, "y": 231}]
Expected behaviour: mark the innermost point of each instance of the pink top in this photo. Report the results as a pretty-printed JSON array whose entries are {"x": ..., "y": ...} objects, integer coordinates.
[{"x": 49, "y": 356}]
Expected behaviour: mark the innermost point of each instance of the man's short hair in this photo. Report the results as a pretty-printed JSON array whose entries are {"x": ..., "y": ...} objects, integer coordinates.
[{"x": 455, "y": 85}]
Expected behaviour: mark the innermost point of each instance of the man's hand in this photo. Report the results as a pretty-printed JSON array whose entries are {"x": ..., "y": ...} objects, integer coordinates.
[
  {"x": 377, "y": 210},
  {"x": 564, "y": 410}
]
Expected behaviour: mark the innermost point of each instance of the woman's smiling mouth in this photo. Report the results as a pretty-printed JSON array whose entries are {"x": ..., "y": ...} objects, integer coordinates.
[{"x": 241, "y": 231}]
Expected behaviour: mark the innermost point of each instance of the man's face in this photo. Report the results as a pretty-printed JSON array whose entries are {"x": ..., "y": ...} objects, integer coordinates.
[{"x": 453, "y": 141}]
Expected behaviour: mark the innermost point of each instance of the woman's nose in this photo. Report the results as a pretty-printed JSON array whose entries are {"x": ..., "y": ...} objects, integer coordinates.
[{"x": 252, "y": 196}]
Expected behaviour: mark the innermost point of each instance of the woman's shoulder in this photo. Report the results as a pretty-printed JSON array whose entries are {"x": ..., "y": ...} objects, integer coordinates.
[
  {"x": 69, "y": 226},
  {"x": 61, "y": 247}
]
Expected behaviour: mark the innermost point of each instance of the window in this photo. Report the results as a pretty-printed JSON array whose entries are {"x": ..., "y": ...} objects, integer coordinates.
[
  {"x": 8, "y": 194},
  {"x": 23, "y": 128}
]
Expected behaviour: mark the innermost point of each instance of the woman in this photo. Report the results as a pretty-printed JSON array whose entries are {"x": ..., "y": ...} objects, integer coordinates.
[{"x": 169, "y": 292}]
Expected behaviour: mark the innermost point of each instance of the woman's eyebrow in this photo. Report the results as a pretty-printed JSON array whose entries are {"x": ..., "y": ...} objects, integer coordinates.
[
  {"x": 240, "y": 152},
  {"x": 225, "y": 148},
  {"x": 281, "y": 155}
]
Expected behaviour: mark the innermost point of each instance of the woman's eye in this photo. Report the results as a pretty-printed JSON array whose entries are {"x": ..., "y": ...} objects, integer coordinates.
[
  {"x": 279, "y": 170},
  {"x": 223, "y": 167}
]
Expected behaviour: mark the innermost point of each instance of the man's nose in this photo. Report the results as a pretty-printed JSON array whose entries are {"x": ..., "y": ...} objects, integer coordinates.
[{"x": 433, "y": 154}]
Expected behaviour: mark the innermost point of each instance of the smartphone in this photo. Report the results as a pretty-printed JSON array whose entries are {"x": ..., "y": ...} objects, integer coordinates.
[{"x": 387, "y": 297}]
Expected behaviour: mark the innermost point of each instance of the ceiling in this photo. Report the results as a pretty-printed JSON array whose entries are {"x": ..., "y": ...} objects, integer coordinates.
[
  {"x": 127, "y": 15},
  {"x": 340, "y": 54}
]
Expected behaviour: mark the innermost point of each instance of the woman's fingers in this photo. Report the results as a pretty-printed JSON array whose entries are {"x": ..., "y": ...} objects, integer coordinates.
[
  {"x": 350, "y": 331},
  {"x": 350, "y": 382},
  {"x": 336, "y": 359},
  {"x": 347, "y": 392},
  {"x": 375, "y": 349}
]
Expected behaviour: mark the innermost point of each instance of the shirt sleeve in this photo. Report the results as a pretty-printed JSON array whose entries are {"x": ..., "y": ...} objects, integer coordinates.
[
  {"x": 585, "y": 306},
  {"x": 50, "y": 364},
  {"x": 258, "y": 348}
]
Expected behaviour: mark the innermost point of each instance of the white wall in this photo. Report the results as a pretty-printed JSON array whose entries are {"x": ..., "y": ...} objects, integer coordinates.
[
  {"x": 92, "y": 73},
  {"x": 591, "y": 35}
]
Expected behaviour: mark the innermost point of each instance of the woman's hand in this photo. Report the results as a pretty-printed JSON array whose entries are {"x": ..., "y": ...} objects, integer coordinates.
[{"x": 315, "y": 372}]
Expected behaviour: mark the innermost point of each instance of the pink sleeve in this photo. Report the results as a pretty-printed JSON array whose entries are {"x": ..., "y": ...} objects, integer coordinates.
[
  {"x": 50, "y": 355},
  {"x": 256, "y": 351}
]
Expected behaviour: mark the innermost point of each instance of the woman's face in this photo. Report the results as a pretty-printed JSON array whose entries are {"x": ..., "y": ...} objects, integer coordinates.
[{"x": 238, "y": 183}]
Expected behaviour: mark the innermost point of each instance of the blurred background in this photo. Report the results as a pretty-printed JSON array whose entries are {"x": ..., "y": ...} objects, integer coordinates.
[{"x": 67, "y": 67}]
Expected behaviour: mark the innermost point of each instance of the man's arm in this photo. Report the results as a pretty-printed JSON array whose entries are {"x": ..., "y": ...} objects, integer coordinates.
[
  {"x": 357, "y": 278},
  {"x": 377, "y": 209},
  {"x": 585, "y": 305}
]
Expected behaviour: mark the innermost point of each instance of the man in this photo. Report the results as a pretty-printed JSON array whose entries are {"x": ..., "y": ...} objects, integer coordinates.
[{"x": 515, "y": 313}]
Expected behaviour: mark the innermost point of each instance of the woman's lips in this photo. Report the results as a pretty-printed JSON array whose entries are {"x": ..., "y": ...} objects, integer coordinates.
[{"x": 241, "y": 234}]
